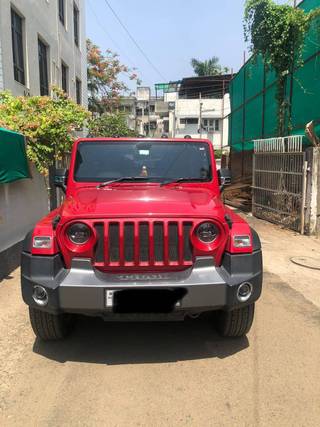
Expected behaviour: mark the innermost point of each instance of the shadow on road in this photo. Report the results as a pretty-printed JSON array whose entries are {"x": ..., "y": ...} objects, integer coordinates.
[{"x": 96, "y": 341}]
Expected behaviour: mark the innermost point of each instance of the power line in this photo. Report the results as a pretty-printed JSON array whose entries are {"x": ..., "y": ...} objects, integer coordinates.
[
  {"x": 134, "y": 41},
  {"x": 114, "y": 42}
]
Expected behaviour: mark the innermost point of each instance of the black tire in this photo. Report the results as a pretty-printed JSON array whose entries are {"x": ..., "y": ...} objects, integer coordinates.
[
  {"x": 50, "y": 327},
  {"x": 235, "y": 323}
]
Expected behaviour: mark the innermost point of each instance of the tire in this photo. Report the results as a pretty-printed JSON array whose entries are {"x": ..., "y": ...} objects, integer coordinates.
[
  {"x": 50, "y": 327},
  {"x": 235, "y": 323}
]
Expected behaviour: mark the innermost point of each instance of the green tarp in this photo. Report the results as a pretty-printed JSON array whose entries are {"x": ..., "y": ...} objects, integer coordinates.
[
  {"x": 254, "y": 109},
  {"x": 13, "y": 159}
]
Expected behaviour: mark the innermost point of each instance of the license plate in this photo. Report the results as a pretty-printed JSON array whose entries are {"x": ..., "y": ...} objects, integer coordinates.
[
  {"x": 109, "y": 298},
  {"x": 144, "y": 300}
]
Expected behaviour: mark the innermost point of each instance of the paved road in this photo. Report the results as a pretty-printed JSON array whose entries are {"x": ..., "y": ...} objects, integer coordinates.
[{"x": 164, "y": 374}]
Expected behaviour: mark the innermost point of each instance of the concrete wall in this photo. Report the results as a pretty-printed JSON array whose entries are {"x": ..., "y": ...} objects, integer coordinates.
[
  {"x": 22, "y": 204},
  {"x": 41, "y": 20}
]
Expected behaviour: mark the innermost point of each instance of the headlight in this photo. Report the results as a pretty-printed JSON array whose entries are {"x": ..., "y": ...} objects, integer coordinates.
[
  {"x": 79, "y": 233},
  {"x": 207, "y": 232}
]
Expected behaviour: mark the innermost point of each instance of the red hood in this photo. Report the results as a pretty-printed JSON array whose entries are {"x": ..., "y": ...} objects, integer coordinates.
[{"x": 142, "y": 200}]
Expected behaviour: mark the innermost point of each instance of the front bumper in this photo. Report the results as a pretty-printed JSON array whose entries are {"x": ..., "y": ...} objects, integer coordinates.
[{"x": 85, "y": 290}]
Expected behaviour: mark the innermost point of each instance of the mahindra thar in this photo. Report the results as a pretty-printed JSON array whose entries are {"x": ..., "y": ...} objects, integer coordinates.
[{"x": 142, "y": 235}]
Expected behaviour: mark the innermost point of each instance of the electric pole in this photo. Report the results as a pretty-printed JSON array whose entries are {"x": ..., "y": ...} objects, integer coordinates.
[{"x": 200, "y": 116}]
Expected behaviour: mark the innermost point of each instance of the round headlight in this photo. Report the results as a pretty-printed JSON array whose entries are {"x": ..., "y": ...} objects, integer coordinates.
[
  {"x": 207, "y": 232},
  {"x": 79, "y": 233}
]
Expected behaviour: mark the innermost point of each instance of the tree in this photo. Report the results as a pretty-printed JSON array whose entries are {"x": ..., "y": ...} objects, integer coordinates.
[
  {"x": 209, "y": 67},
  {"x": 277, "y": 32},
  {"x": 104, "y": 85},
  {"x": 47, "y": 123},
  {"x": 110, "y": 125}
]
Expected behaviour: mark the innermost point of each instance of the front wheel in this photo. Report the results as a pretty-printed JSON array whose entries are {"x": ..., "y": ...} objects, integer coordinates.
[
  {"x": 49, "y": 327},
  {"x": 235, "y": 323}
]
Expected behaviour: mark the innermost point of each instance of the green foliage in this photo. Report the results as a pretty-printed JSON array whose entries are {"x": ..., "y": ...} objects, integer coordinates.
[
  {"x": 218, "y": 153},
  {"x": 277, "y": 32},
  {"x": 110, "y": 125},
  {"x": 47, "y": 123},
  {"x": 104, "y": 84},
  {"x": 210, "y": 67}
]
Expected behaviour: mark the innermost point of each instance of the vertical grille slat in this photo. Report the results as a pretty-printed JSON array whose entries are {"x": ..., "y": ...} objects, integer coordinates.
[{"x": 165, "y": 243}]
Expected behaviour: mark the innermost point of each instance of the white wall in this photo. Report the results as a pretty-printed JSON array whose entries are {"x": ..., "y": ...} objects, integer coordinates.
[
  {"x": 41, "y": 20},
  {"x": 211, "y": 109},
  {"x": 22, "y": 204}
]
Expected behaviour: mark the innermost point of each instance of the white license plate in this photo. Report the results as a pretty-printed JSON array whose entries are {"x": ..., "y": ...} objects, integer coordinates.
[{"x": 109, "y": 298}]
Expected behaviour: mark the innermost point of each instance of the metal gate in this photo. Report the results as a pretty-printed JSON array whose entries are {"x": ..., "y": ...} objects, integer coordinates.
[{"x": 279, "y": 181}]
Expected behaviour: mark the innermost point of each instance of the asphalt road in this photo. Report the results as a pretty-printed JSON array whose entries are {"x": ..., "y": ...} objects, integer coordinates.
[{"x": 164, "y": 374}]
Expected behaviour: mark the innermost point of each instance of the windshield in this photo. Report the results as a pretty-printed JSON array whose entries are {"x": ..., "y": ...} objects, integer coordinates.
[{"x": 156, "y": 161}]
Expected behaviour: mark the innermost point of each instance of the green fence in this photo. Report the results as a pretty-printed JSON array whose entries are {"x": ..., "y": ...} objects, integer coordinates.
[{"x": 254, "y": 108}]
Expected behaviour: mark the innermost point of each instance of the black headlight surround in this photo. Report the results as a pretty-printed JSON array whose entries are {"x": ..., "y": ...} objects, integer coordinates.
[
  {"x": 83, "y": 231},
  {"x": 207, "y": 232}
]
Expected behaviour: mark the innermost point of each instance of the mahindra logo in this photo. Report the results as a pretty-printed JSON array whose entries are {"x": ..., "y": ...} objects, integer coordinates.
[{"x": 132, "y": 277}]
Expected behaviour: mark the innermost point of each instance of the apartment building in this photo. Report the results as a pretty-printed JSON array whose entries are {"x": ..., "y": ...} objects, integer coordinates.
[
  {"x": 42, "y": 43},
  {"x": 199, "y": 108}
]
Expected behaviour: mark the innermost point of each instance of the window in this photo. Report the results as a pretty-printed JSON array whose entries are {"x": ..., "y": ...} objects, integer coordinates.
[
  {"x": 78, "y": 91},
  {"x": 139, "y": 111},
  {"x": 211, "y": 125},
  {"x": 43, "y": 68},
  {"x": 61, "y": 11},
  {"x": 189, "y": 121},
  {"x": 64, "y": 77},
  {"x": 101, "y": 161},
  {"x": 17, "y": 47},
  {"x": 76, "y": 24},
  {"x": 151, "y": 108}
]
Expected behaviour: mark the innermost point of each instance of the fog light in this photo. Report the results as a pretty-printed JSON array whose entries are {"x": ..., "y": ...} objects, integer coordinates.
[
  {"x": 40, "y": 295},
  {"x": 244, "y": 292}
]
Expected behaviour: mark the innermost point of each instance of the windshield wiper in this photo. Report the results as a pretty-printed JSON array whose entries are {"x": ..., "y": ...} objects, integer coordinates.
[
  {"x": 124, "y": 178},
  {"x": 173, "y": 181}
]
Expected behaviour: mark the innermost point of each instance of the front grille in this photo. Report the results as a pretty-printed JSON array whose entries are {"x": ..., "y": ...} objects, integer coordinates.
[{"x": 143, "y": 243}]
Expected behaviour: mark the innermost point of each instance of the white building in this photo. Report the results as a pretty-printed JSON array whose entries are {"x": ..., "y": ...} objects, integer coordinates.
[
  {"x": 199, "y": 108},
  {"x": 43, "y": 43}
]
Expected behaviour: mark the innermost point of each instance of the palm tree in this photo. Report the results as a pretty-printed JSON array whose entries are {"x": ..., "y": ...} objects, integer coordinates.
[{"x": 209, "y": 67}]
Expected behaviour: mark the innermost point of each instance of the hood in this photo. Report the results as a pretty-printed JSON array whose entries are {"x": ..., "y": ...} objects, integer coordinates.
[{"x": 142, "y": 200}]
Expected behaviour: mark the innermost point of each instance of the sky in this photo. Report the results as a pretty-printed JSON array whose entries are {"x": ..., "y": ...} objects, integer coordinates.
[{"x": 170, "y": 32}]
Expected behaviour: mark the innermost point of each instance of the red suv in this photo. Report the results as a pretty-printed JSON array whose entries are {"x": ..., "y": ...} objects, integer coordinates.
[{"x": 141, "y": 235}]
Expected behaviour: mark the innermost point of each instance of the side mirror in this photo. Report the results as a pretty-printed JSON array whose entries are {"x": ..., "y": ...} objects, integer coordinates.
[
  {"x": 60, "y": 179},
  {"x": 224, "y": 176}
]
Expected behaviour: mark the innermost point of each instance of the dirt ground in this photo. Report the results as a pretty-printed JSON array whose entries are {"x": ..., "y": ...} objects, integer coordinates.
[{"x": 179, "y": 374}]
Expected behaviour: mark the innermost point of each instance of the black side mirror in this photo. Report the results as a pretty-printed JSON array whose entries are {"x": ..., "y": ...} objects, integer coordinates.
[
  {"x": 224, "y": 176},
  {"x": 60, "y": 179}
]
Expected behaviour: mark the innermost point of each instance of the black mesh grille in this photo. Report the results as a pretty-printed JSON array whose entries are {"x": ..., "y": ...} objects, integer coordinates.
[
  {"x": 114, "y": 242},
  {"x": 187, "y": 249},
  {"x": 144, "y": 241},
  {"x": 158, "y": 241},
  {"x": 129, "y": 242},
  {"x": 173, "y": 242},
  {"x": 100, "y": 243}
]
